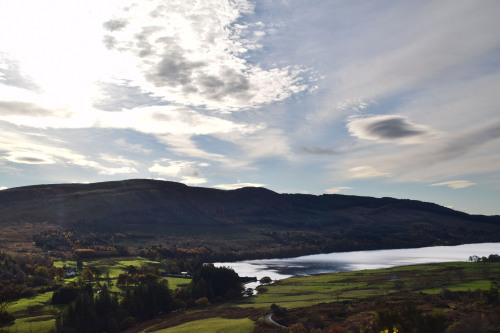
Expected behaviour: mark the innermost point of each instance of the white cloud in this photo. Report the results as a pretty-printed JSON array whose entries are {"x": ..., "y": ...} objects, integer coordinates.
[
  {"x": 455, "y": 184},
  {"x": 118, "y": 159},
  {"x": 131, "y": 147},
  {"x": 237, "y": 186},
  {"x": 170, "y": 119},
  {"x": 115, "y": 171},
  {"x": 366, "y": 171},
  {"x": 265, "y": 144},
  {"x": 185, "y": 171},
  {"x": 172, "y": 42},
  {"x": 334, "y": 190},
  {"x": 3, "y": 188}
]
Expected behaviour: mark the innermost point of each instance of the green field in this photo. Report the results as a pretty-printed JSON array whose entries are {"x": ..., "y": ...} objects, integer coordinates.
[
  {"x": 301, "y": 291},
  {"x": 36, "y": 314},
  {"x": 213, "y": 325}
]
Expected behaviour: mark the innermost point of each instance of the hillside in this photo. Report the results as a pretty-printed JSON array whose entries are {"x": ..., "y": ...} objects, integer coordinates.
[{"x": 152, "y": 211}]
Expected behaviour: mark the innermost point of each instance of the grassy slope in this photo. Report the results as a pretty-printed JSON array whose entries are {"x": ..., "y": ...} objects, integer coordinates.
[
  {"x": 308, "y": 291},
  {"x": 216, "y": 324}
]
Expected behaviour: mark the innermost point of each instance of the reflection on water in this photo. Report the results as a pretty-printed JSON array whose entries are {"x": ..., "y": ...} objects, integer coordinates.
[{"x": 278, "y": 269}]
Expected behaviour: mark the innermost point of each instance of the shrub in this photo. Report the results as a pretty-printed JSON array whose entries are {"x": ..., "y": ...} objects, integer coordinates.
[{"x": 202, "y": 301}]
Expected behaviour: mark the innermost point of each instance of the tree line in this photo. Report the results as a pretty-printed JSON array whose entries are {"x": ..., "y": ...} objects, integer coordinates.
[{"x": 97, "y": 309}]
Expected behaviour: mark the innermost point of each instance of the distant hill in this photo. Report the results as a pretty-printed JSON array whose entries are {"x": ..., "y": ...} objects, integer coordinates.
[{"x": 238, "y": 220}]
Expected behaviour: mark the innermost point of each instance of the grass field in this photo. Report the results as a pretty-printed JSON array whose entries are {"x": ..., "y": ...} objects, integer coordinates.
[
  {"x": 304, "y": 291},
  {"x": 213, "y": 325},
  {"x": 39, "y": 324},
  {"x": 36, "y": 314}
]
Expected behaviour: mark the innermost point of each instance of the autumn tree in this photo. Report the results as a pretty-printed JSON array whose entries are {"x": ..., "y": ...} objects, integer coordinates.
[{"x": 87, "y": 275}]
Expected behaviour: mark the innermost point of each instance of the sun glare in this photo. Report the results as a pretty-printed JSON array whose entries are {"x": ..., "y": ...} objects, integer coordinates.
[{"x": 59, "y": 47}]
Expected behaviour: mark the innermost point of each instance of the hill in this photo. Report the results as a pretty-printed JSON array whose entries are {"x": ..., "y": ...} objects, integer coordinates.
[{"x": 245, "y": 221}]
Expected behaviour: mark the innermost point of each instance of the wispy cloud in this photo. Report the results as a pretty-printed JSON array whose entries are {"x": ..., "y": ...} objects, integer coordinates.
[
  {"x": 335, "y": 190},
  {"x": 185, "y": 171},
  {"x": 122, "y": 143},
  {"x": 117, "y": 171},
  {"x": 366, "y": 171},
  {"x": 455, "y": 184},
  {"x": 314, "y": 150},
  {"x": 237, "y": 186}
]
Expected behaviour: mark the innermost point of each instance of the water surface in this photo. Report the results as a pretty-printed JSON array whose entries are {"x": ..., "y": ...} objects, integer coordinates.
[{"x": 358, "y": 260}]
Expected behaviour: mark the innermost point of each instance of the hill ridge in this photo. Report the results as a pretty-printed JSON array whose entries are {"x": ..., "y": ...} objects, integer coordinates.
[{"x": 177, "y": 211}]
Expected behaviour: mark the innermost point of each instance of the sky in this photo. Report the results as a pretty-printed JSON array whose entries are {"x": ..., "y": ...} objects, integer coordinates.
[{"x": 376, "y": 98}]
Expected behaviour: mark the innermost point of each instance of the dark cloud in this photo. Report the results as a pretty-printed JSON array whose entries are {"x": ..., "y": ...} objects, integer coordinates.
[
  {"x": 393, "y": 128},
  {"x": 387, "y": 128},
  {"x": 142, "y": 41},
  {"x": 30, "y": 160},
  {"x": 115, "y": 25},
  {"x": 110, "y": 42},
  {"x": 174, "y": 70},
  {"x": 11, "y": 75},
  {"x": 229, "y": 83},
  {"x": 22, "y": 108},
  {"x": 122, "y": 96},
  {"x": 316, "y": 151}
]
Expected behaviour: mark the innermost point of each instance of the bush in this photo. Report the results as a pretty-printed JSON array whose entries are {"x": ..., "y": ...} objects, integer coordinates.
[
  {"x": 202, "y": 301},
  {"x": 261, "y": 290},
  {"x": 65, "y": 295}
]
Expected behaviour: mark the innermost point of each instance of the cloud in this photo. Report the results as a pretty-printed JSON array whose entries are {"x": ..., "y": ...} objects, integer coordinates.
[
  {"x": 116, "y": 96},
  {"x": 366, "y": 171},
  {"x": 38, "y": 149},
  {"x": 455, "y": 184},
  {"x": 268, "y": 143},
  {"x": 115, "y": 171},
  {"x": 316, "y": 150},
  {"x": 127, "y": 165},
  {"x": 387, "y": 128},
  {"x": 23, "y": 108},
  {"x": 193, "y": 53},
  {"x": 185, "y": 171},
  {"x": 334, "y": 190},
  {"x": 118, "y": 159},
  {"x": 121, "y": 143},
  {"x": 237, "y": 186},
  {"x": 29, "y": 158},
  {"x": 3, "y": 188},
  {"x": 115, "y": 25},
  {"x": 12, "y": 75},
  {"x": 170, "y": 119},
  {"x": 385, "y": 57}
]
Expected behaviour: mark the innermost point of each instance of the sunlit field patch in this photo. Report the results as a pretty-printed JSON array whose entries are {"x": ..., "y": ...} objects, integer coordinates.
[{"x": 213, "y": 325}]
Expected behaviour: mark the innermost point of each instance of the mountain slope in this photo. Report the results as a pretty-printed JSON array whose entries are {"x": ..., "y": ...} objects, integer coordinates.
[{"x": 174, "y": 211}]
